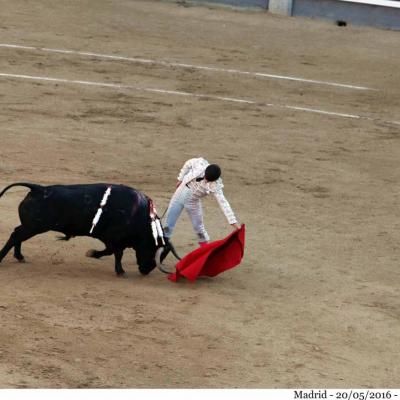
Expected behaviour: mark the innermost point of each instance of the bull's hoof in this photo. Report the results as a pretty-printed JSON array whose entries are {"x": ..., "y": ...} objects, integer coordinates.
[
  {"x": 66, "y": 237},
  {"x": 21, "y": 260},
  {"x": 122, "y": 274},
  {"x": 91, "y": 253}
]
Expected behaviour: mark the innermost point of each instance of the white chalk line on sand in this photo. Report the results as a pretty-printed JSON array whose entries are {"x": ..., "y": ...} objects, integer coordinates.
[
  {"x": 178, "y": 93},
  {"x": 183, "y": 65}
]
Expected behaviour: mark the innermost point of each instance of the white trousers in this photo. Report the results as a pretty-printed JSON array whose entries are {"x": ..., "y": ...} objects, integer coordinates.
[{"x": 183, "y": 199}]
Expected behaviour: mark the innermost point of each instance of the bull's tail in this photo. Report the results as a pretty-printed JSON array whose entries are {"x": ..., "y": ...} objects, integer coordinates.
[{"x": 31, "y": 186}]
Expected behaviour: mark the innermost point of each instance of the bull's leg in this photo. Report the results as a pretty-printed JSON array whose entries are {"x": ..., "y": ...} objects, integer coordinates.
[
  {"x": 17, "y": 252},
  {"x": 100, "y": 253},
  {"x": 118, "y": 264},
  {"x": 19, "y": 235},
  {"x": 107, "y": 252}
]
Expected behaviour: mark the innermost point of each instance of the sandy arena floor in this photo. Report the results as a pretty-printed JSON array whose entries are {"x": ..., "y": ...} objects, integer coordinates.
[{"x": 315, "y": 302}]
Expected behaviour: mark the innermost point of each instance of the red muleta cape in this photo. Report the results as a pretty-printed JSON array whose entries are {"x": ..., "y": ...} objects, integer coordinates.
[{"x": 212, "y": 258}]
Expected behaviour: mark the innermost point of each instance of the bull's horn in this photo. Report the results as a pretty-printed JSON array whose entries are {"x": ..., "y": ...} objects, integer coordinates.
[
  {"x": 158, "y": 256},
  {"x": 174, "y": 251},
  {"x": 165, "y": 271},
  {"x": 171, "y": 248},
  {"x": 158, "y": 262}
]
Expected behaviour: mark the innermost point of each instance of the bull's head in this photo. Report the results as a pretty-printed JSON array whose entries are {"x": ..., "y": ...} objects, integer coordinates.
[
  {"x": 147, "y": 257},
  {"x": 163, "y": 254},
  {"x": 151, "y": 256},
  {"x": 152, "y": 252}
]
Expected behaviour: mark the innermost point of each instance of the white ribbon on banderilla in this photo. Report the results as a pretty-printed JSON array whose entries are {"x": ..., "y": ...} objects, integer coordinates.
[
  {"x": 156, "y": 227},
  {"x": 100, "y": 210}
]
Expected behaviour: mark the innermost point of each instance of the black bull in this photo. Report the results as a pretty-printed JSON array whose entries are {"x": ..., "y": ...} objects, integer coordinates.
[{"x": 70, "y": 209}]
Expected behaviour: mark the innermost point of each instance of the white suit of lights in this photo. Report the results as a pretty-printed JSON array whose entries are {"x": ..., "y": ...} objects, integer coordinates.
[{"x": 188, "y": 195}]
